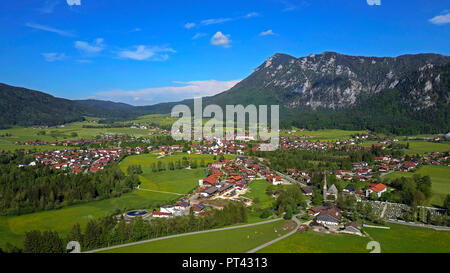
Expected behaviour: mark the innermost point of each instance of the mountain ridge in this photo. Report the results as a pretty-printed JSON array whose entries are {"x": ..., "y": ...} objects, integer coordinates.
[{"x": 326, "y": 85}]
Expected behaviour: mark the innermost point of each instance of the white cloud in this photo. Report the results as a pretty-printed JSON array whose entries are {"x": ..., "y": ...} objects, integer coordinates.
[
  {"x": 52, "y": 56},
  {"x": 198, "y": 35},
  {"x": 188, "y": 90},
  {"x": 374, "y": 2},
  {"x": 85, "y": 47},
  {"x": 215, "y": 21},
  {"x": 219, "y": 39},
  {"x": 268, "y": 32},
  {"x": 49, "y": 29},
  {"x": 441, "y": 19},
  {"x": 74, "y": 2},
  {"x": 251, "y": 14},
  {"x": 189, "y": 25},
  {"x": 143, "y": 52}
]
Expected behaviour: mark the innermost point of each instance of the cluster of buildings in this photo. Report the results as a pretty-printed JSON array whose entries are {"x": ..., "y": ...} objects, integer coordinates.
[
  {"x": 78, "y": 142},
  {"x": 77, "y": 161}
]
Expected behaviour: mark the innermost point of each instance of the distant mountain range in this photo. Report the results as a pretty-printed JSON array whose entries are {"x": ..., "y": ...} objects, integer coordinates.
[{"x": 407, "y": 94}]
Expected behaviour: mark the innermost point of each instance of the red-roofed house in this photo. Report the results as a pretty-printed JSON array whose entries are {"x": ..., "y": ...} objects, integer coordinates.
[{"x": 378, "y": 188}]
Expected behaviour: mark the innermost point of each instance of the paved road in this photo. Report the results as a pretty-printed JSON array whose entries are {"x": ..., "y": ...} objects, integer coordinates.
[
  {"x": 183, "y": 234},
  {"x": 419, "y": 225},
  {"x": 279, "y": 238},
  {"x": 290, "y": 179}
]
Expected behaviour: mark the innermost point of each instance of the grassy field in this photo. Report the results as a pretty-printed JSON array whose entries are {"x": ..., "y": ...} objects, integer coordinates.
[
  {"x": 440, "y": 181},
  {"x": 314, "y": 242},
  {"x": 258, "y": 194},
  {"x": 12, "y": 228},
  {"x": 328, "y": 134},
  {"x": 178, "y": 181},
  {"x": 420, "y": 147},
  {"x": 22, "y": 134},
  {"x": 227, "y": 241},
  {"x": 401, "y": 238},
  {"x": 398, "y": 239}
]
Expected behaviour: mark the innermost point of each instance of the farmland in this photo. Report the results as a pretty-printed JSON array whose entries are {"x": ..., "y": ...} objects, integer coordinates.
[
  {"x": 12, "y": 228},
  {"x": 177, "y": 181},
  {"x": 399, "y": 238},
  {"x": 226, "y": 241},
  {"x": 440, "y": 181},
  {"x": 324, "y": 135},
  {"x": 257, "y": 192}
]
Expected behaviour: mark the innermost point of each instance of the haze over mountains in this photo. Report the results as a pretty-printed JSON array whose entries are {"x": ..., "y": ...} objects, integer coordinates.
[{"x": 406, "y": 94}]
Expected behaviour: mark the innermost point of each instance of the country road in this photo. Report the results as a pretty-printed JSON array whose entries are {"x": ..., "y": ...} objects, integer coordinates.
[
  {"x": 290, "y": 179},
  {"x": 183, "y": 234},
  {"x": 419, "y": 225},
  {"x": 294, "y": 218}
]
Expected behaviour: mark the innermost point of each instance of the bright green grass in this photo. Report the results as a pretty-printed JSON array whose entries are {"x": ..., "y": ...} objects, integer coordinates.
[
  {"x": 419, "y": 147},
  {"x": 398, "y": 239},
  {"x": 23, "y": 134},
  {"x": 314, "y": 242},
  {"x": 440, "y": 181},
  {"x": 327, "y": 134},
  {"x": 258, "y": 191},
  {"x": 12, "y": 228},
  {"x": 178, "y": 181},
  {"x": 227, "y": 241},
  {"x": 401, "y": 238},
  {"x": 146, "y": 160}
]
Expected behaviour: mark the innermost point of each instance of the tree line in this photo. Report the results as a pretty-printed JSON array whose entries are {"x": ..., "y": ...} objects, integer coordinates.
[
  {"x": 36, "y": 188},
  {"x": 109, "y": 231}
]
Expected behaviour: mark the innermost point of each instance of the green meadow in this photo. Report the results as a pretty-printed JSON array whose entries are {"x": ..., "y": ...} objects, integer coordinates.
[
  {"x": 13, "y": 228},
  {"x": 180, "y": 181},
  {"x": 314, "y": 242},
  {"x": 22, "y": 134},
  {"x": 420, "y": 147},
  {"x": 325, "y": 135},
  {"x": 257, "y": 192},
  {"x": 398, "y": 239},
  {"x": 227, "y": 241},
  {"x": 440, "y": 181}
]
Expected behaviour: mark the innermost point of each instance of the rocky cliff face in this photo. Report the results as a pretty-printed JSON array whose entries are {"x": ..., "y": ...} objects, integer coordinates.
[{"x": 332, "y": 80}]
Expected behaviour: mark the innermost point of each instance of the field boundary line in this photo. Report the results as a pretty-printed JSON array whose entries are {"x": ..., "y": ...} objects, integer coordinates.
[
  {"x": 279, "y": 238},
  {"x": 182, "y": 234},
  {"x": 168, "y": 192}
]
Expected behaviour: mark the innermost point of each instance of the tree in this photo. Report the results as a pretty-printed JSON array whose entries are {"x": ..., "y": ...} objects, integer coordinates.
[
  {"x": 288, "y": 214},
  {"x": 447, "y": 204}
]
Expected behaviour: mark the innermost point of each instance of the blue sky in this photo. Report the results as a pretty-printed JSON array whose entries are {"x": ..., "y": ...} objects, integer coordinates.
[{"x": 148, "y": 51}]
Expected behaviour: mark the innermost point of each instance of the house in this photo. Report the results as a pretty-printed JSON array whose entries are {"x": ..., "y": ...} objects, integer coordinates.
[
  {"x": 314, "y": 211},
  {"x": 349, "y": 189},
  {"x": 308, "y": 190},
  {"x": 331, "y": 216},
  {"x": 352, "y": 228},
  {"x": 158, "y": 214},
  {"x": 209, "y": 191},
  {"x": 378, "y": 188},
  {"x": 199, "y": 207}
]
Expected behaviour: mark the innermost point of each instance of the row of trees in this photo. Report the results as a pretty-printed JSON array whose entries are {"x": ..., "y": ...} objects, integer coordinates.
[
  {"x": 322, "y": 160},
  {"x": 159, "y": 165},
  {"x": 30, "y": 189},
  {"x": 108, "y": 231}
]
